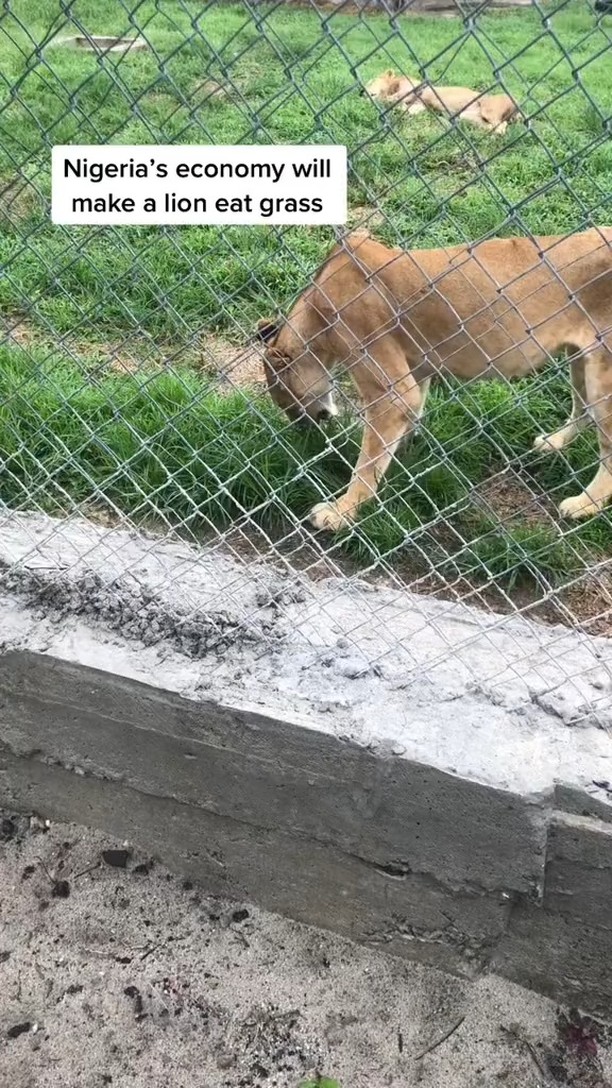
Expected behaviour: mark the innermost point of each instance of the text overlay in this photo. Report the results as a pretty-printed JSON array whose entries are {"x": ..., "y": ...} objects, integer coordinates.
[{"x": 115, "y": 185}]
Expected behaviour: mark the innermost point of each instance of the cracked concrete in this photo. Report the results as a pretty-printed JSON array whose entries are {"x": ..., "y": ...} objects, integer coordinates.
[{"x": 411, "y": 773}]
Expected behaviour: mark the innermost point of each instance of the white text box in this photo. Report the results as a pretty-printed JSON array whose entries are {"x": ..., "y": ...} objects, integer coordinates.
[{"x": 244, "y": 185}]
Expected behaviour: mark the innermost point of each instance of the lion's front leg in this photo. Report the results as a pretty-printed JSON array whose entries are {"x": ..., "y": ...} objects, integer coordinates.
[{"x": 386, "y": 423}]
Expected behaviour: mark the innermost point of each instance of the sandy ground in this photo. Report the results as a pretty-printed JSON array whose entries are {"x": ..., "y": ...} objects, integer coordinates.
[{"x": 115, "y": 972}]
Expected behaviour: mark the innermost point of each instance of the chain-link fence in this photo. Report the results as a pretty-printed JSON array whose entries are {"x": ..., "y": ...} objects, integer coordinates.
[{"x": 132, "y": 385}]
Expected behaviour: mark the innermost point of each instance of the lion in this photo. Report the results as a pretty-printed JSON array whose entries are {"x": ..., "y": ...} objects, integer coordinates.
[
  {"x": 394, "y": 319},
  {"x": 493, "y": 112}
]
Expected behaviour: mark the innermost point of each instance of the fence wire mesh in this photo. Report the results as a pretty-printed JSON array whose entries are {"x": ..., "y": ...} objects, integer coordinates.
[{"x": 133, "y": 389}]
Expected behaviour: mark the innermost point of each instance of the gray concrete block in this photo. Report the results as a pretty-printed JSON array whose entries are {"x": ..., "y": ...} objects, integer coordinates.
[
  {"x": 579, "y": 870},
  {"x": 317, "y": 884},
  {"x": 553, "y": 954},
  {"x": 409, "y": 772},
  {"x": 271, "y": 773},
  {"x": 593, "y": 800},
  {"x": 311, "y": 882}
]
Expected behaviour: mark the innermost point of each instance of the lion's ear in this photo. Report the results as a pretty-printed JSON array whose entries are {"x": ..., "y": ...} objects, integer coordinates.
[
  {"x": 275, "y": 365},
  {"x": 266, "y": 329}
]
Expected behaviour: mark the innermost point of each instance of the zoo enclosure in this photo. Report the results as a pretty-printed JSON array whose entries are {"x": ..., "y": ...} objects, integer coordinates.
[{"x": 131, "y": 391}]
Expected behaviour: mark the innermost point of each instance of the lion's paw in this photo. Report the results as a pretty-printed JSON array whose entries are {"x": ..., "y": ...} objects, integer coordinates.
[
  {"x": 328, "y": 516},
  {"x": 549, "y": 443},
  {"x": 579, "y": 506}
]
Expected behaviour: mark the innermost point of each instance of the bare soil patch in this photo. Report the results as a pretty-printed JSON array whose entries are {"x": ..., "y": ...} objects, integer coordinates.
[
  {"x": 236, "y": 367},
  {"x": 233, "y": 366},
  {"x": 506, "y": 497},
  {"x": 18, "y": 200},
  {"x": 366, "y": 216},
  {"x": 206, "y": 89},
  {"x": 116, "y": 972}
]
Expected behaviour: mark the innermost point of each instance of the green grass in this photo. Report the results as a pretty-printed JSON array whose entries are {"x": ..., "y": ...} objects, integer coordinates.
[
  {"x": 320, "y": 1082},
  {"x": 429, "y": 182},
  {"x": 67, "y": 437},
  {"x": 171, "y": 447}
]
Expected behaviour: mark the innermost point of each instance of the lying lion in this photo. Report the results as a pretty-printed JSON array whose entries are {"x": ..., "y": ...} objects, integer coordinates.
[
  {"x": 493, "y": 112},
  {"x": 394, "y": 319}
]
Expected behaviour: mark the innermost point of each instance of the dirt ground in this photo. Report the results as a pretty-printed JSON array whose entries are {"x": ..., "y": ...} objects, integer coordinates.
[
  {"x": 233, "y": 366},
  {"x": 115, "y": 972}
]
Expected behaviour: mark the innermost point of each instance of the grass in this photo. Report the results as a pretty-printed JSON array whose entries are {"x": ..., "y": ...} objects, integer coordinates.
[
  {"x": 170, "y": 446},
  {"x": 320, "y": 1082},
  {"x": 68, "y": 436}
]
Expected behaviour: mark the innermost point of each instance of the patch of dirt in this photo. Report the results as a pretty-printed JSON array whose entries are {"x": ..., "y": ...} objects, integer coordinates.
[
  {"x": 236, "y": 367},
  {"x": 111, "y": 355},
  {"x": 588, "y": 603},
  {"x": 126, "y": 355},
  {"x": 364, "y": 215},
  {"x": 18, "y": 200},
  {"x": 373, "y": 9},
  {"x": 16, "y": 332},
  {"x": 440, "y": 9},
  {"x": 116, "y": 972},
  {"x": 206, "y": 89},
  {"x": 506, "y": 497}
]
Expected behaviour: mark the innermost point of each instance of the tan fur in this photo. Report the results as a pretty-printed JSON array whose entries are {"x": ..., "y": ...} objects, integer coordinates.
[
  {"x": 390, "y": 87},
  {"x": 493, "y": 112},
  {"x": 394, "y": 319}
]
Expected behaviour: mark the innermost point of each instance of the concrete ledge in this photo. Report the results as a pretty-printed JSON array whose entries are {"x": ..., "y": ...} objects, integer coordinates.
[
  {"x": 328, "y": 849},
  {"x": 300, "y": 878},
  {"x": 579, "y": 870},
  {"x": 271, "y": 773},
  {"x": 443, "y": 793}
]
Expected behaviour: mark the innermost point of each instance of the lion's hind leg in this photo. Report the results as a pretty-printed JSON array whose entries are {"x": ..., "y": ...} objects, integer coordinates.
[{"x": 598, "y": 400}]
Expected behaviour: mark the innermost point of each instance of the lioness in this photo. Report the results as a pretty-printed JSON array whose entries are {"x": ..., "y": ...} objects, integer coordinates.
[
  {"x": 393, "y": 319},
  {"x": 489, "y": 111}
]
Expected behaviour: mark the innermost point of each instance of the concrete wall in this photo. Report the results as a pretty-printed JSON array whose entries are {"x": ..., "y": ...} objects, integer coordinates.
[{"x": 459, "y": 816}]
